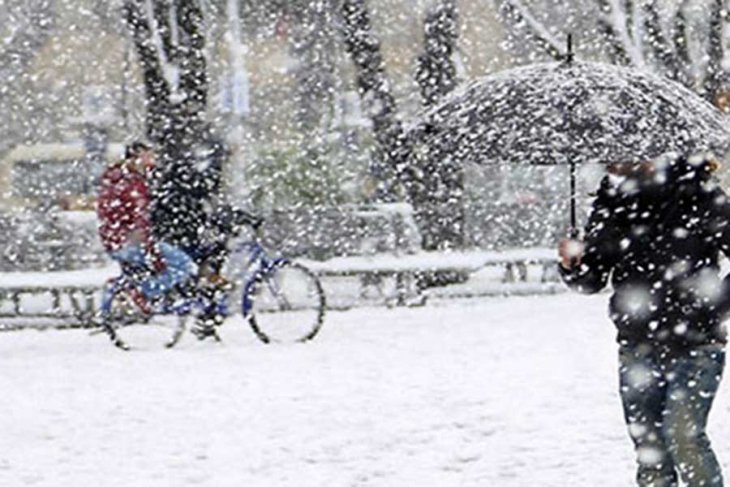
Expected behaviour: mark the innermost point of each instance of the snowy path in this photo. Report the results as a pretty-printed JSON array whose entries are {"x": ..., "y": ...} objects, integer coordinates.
[{"x": 494, "y": 392}]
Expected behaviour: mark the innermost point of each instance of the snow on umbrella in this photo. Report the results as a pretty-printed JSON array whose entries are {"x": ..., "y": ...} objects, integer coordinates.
[
  {"x": 571, "y": 113},
  {"x": 588, "y": 112}
]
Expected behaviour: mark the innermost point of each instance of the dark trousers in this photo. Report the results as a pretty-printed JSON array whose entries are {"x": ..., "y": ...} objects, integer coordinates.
[{"x": 666, "y": 398}]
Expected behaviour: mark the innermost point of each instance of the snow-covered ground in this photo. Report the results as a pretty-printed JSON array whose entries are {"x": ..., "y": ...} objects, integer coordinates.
[{"x": 501, "y": 392}]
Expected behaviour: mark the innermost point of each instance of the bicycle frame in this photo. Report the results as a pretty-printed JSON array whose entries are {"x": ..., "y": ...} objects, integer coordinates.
[
  {"x": 126, "y": 283},
  {"x": 206, "y": 301},
  {"x": 259, "y": 262}
]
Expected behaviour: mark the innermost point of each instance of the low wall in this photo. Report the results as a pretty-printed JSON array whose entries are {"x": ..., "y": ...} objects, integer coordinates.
[{"x": 71, "y": 298}]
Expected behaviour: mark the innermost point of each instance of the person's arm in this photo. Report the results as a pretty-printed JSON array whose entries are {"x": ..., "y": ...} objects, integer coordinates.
[
  {"x": 586, "y": 266},
  {"x": 139, "y": 201},
  {"x": 717, "y": 221}
]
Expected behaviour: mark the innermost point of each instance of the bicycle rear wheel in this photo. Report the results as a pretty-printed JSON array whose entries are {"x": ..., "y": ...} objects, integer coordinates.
[
  {"x": 285, "y": 303},
  {"x": 129, "y": 327}
]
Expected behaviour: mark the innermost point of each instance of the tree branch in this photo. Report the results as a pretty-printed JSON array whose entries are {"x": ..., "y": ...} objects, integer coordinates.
[
  {"x": 436, "y": 72},
  {"x": 374, "y": 89},
  {"x": 715, "y": 53},
  {"x": 681, "y": 46},
  {"x": 614, "y": 22},
  {"x": 516, "y": 12},
  {"x": 162, "y": 22},
  {"x": 157, "y": 91},
  {"x": 157, "y": 19},
  {"x": 312, "y": 43},
  {"x": 658, "y": 43},
  {"x": 193, "y": 73}
]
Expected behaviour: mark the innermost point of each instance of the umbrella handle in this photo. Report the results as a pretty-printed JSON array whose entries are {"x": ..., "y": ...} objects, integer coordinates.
[
  {"x": 569, "y": 56},
  {"x": 573, "y": 233}
]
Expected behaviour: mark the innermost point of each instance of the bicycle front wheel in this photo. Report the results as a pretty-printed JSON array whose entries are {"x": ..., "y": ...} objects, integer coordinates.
[
  {"x": 129, "y": 327},
  {"x": 285, "y": 303}
]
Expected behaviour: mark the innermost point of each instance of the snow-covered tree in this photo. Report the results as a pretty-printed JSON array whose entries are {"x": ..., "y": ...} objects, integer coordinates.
[
  {"x": 681, "y": 39},
  {"x": 439, "y": 199},
  {"x": 169, "y": 37},
  {"x": 313, "y": 43},
  {"x": 431, "y": 182},
  {"x": 378, "y": 101}
]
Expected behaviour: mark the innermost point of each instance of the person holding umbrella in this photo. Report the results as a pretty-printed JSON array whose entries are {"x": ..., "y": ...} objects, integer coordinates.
[{"x": 655, "y": 231}]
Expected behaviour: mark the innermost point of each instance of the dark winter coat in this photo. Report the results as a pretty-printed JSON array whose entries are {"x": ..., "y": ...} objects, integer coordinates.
[{"x": 659, "y": 243}]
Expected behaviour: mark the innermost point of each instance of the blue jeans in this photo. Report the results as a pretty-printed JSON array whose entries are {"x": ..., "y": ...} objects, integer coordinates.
[
  {"x": 178, "y": 267},
  {"x": 666, "y": 398}
]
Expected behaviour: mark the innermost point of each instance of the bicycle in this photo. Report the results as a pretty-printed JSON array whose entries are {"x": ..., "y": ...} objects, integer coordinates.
[{"x": 282, "y": 301}]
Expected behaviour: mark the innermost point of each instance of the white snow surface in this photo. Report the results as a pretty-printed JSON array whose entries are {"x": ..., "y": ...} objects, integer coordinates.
[
  {"x": 52, "y": 279},
  {"x": 518, "y": 391}
]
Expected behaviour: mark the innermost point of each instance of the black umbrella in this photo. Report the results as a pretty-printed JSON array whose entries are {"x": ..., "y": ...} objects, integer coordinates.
[{"x": 570, "y": 113}]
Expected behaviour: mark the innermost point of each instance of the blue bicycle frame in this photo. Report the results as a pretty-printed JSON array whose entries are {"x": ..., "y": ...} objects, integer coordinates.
[
  {"x": 259, "y": 263},
  {"x": 181, "y": 306}
]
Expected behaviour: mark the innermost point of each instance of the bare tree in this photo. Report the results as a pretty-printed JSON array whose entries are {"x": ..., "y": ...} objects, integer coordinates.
[
  {"x": 378, "y": 101},
  {"x": 682, "y": 40},
  {"x": 438, "y": 201},
  {"x": 432, "y": 182},
  {"x": 436, "y": 71},
  {"x": 714, "y": 73},
  {"x": 169, "y": 38},
  {"x": 312, "y": 44},
  {"x": 519, "y": 16}
]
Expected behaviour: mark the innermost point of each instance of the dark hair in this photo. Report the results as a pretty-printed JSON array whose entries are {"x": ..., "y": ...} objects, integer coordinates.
[{"x": 135, "y": 149}]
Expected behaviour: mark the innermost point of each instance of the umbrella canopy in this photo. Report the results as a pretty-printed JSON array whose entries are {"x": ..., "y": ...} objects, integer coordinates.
[{"x": 576, "y": 112}]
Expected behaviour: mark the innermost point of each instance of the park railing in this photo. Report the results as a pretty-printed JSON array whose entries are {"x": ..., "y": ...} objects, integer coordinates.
[
  {"x": 398, "y": 280},
  {"x": 71, "y": 298},
  {"x": 51, "y": 299}
]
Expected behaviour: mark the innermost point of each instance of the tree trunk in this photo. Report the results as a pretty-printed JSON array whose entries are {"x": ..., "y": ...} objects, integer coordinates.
[
  {"x": 312, "y": 44},
  {"x": 616, "y": 50},
  {"x": 378, "y": 102},
  {"x": 712, "y": 83},
  {"x": 434, "y": 183},
  {"x": 659, "y": 45},
  {"x": 169, "y": 41},
  {"x": 681, "y": 41},
  {"x": 439, "y": 203}
]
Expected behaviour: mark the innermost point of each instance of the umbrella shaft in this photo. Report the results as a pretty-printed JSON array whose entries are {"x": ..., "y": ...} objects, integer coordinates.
[{"x": 573, "y": 225}]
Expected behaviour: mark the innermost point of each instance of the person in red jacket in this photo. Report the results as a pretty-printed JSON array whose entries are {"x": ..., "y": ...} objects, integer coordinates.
[{"x": 123, "y": 210}]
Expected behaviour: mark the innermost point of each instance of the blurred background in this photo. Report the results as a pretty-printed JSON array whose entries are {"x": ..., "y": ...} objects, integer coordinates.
[{"x": 285, "y": 108}]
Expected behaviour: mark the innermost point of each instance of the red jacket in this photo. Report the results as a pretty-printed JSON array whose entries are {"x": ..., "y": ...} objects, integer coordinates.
[{"x": 123, "y": 208}]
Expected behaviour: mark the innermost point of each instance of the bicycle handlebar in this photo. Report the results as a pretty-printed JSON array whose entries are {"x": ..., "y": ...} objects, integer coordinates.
[{"x": 241, "y": 217}]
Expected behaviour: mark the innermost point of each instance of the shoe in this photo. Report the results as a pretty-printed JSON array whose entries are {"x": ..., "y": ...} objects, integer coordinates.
[
  {"x": 204, "y": 329},
  {"x": 219, "y": 282}
]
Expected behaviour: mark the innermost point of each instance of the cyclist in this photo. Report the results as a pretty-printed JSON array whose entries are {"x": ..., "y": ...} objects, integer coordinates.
[
  {"x": 223, "y": 220},
  {"x": 123, "y": 209}
]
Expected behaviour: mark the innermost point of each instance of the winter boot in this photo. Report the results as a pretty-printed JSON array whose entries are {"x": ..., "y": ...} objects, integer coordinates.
[{"x": 205, "y": 327}]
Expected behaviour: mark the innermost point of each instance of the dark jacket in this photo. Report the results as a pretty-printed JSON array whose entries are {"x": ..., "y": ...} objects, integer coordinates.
[{"x": 659, "y": 244}]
